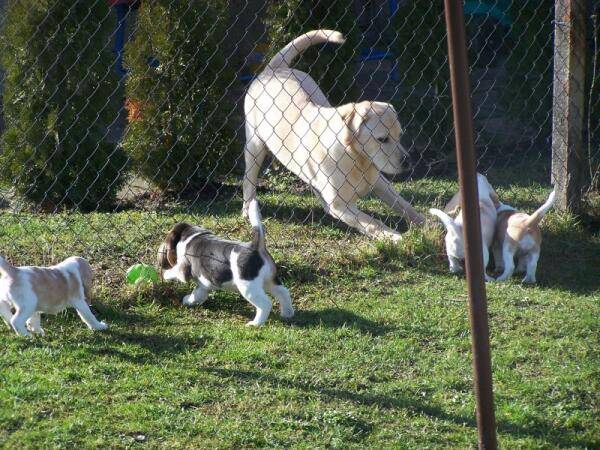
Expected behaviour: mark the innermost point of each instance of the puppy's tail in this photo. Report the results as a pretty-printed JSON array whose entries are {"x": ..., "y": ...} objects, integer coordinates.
[
  {"x": 446, "y": 220},
  {"x": 258, "y": 231},
  {"x": 539, "y": 214},
  {"x": 6, "y": 268},
  {"x": 288, "y": 53}
]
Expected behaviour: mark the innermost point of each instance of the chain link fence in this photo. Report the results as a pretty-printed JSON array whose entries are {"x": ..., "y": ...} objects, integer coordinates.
[{"x": 114, "y": 110}]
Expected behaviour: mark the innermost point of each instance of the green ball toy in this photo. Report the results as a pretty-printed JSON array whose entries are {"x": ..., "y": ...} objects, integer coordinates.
[{"x": 141, "y": 273}]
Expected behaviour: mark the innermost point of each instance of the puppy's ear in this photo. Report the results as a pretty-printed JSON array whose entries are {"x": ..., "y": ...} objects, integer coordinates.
[
  {"x": 353, "y": 115},
  {"x": 168, "y": 250},
  {"x": 453, "y": 204},
  {"x": 161, "y": 258},
  {"x": 495, "y": 199}
]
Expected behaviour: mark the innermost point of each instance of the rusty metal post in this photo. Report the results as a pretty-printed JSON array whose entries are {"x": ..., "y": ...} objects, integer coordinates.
[
  {"x": 568, "y": 102},
  {"x": 465, "y": 152}
]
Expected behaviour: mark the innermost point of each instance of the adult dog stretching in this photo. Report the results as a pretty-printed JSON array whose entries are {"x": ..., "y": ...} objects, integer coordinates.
[{"x": 339, "y": 151}]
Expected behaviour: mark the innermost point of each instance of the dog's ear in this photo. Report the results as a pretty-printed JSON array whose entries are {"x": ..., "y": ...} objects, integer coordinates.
[
  {"x": 453, "y": 204},
  {"x": 353, "y": 115},
  {"x": 161, "y": 258},
  {"x": 495, "y": 199},
  {"x": 168, "y": 250}
]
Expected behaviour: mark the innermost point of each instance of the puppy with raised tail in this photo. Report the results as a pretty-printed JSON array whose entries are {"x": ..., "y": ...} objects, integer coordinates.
[
  {"x": 194, "y": 253},
  {"x": 518, "y": 236},
  {"x": 49, "y": 290},
  {"x": 455, "y": 247}
]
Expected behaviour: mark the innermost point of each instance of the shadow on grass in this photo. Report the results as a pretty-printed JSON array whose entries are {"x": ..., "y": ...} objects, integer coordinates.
[
  {"x": 337, "y": 318},
  {"x": 142, "y": 348},
  {"x": 570, "y": 262},
  {"x": 537, "y": 428}
]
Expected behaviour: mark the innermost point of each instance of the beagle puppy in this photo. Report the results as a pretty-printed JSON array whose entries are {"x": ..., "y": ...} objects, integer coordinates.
[
  {"x": 35, "y": 290},
  {"x": 194, "y": 253},
  {"x": 518, "y": 236},
  {"x": 455, "y": 247}
]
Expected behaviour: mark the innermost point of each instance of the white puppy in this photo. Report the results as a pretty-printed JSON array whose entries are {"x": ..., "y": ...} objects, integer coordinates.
[
  {"x": 35, "y": 290},
  {"x": 190, "y": 252},
  {"x": 518, "y": 236},
  {"x": 340, "y": 152},
  {"x": 455, "y": 247}
]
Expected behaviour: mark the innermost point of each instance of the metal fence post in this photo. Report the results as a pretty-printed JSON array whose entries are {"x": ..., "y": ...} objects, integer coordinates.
[
  {"x": 463, "y": 129},
  {"x": 568, "y": 102}
]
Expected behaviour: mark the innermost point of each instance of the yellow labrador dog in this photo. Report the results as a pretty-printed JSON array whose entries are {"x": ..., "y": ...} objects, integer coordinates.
[{"x": 339, "y": 151}]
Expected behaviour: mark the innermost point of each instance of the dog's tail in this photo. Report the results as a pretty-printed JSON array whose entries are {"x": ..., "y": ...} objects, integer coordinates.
[
  {"x": 539, "y": 214},
  {"x": 6, "y": 268},
  {"x": 446, "y": 220},
  {"x": 287, "y": 54},
  {"x": 258, "y": 231}
]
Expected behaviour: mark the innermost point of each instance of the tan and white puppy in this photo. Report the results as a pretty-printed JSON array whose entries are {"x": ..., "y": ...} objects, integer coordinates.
[
  {"x": 455, "y": 247},
  {"x": 34, "y": 290},
  {"x": 340, "y": 152},
  {"x": 518, "y": 236}
]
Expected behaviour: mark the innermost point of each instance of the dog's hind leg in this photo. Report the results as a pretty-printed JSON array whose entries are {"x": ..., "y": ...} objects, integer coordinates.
[
  {"x": 282, "y": 295},
  {"x": 85, "y": 313},
  {"x": 486, "y": 260},
  {"x": 386, "y": 192},
  {"x": 256, "y": 295},
  {"x": 532, "y": 260},
  {"x": 509, "y": 262},
  {"x": 254, "y": 155},
  {"x": 5, "y": 312},
  {"x": 498, "y": 261}
]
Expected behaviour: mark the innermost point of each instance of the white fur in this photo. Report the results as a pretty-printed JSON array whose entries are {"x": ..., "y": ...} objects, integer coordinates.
[
  {"x": 252, "y": 290},
  {"x": 455, "y": 247},
  {"x": 17, "y": 291},
  {"x": 526, "y": 250}
]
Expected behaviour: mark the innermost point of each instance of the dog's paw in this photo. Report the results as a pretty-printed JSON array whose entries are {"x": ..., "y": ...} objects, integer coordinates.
[
  {"x": 187, "y": 300},
  {"x": 245, "y": 209},
  {"x": 39, "y": 331},
  {"x": 287, "y": 313},
  {"x": 101, "y": 326},
  {"x": 253, "y": 323},
  {"x": 528, "y": 280}
]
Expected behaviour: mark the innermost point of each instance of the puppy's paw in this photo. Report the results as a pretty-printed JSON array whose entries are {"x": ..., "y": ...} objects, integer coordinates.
[
  {"x": 528, "y": 280},
  {"x": 397, "y": 237},
  {"x": 101, "y": 326},
  {"x": 245, "y": 208},
  {"x": 287, "y": 313},
  {"x": 253, "y": 323}
]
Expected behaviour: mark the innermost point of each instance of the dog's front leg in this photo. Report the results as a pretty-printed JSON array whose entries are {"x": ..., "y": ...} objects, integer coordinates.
[
  {"x": 34, "y": 323},
  {"x": 352, "y": 216},
  {"x": 197, "y": 297},
  {"x": 386, "y": 192}
]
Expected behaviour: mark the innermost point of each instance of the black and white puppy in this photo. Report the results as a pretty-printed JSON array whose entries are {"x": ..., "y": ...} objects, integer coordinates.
[{"x": 194, "y": 253}]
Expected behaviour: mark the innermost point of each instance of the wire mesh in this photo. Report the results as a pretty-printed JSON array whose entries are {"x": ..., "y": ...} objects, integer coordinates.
[{"x": 116, "y": 108}]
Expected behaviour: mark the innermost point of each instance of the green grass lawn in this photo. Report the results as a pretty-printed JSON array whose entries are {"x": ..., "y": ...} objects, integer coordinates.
[{"x": 378, "y": 355}]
